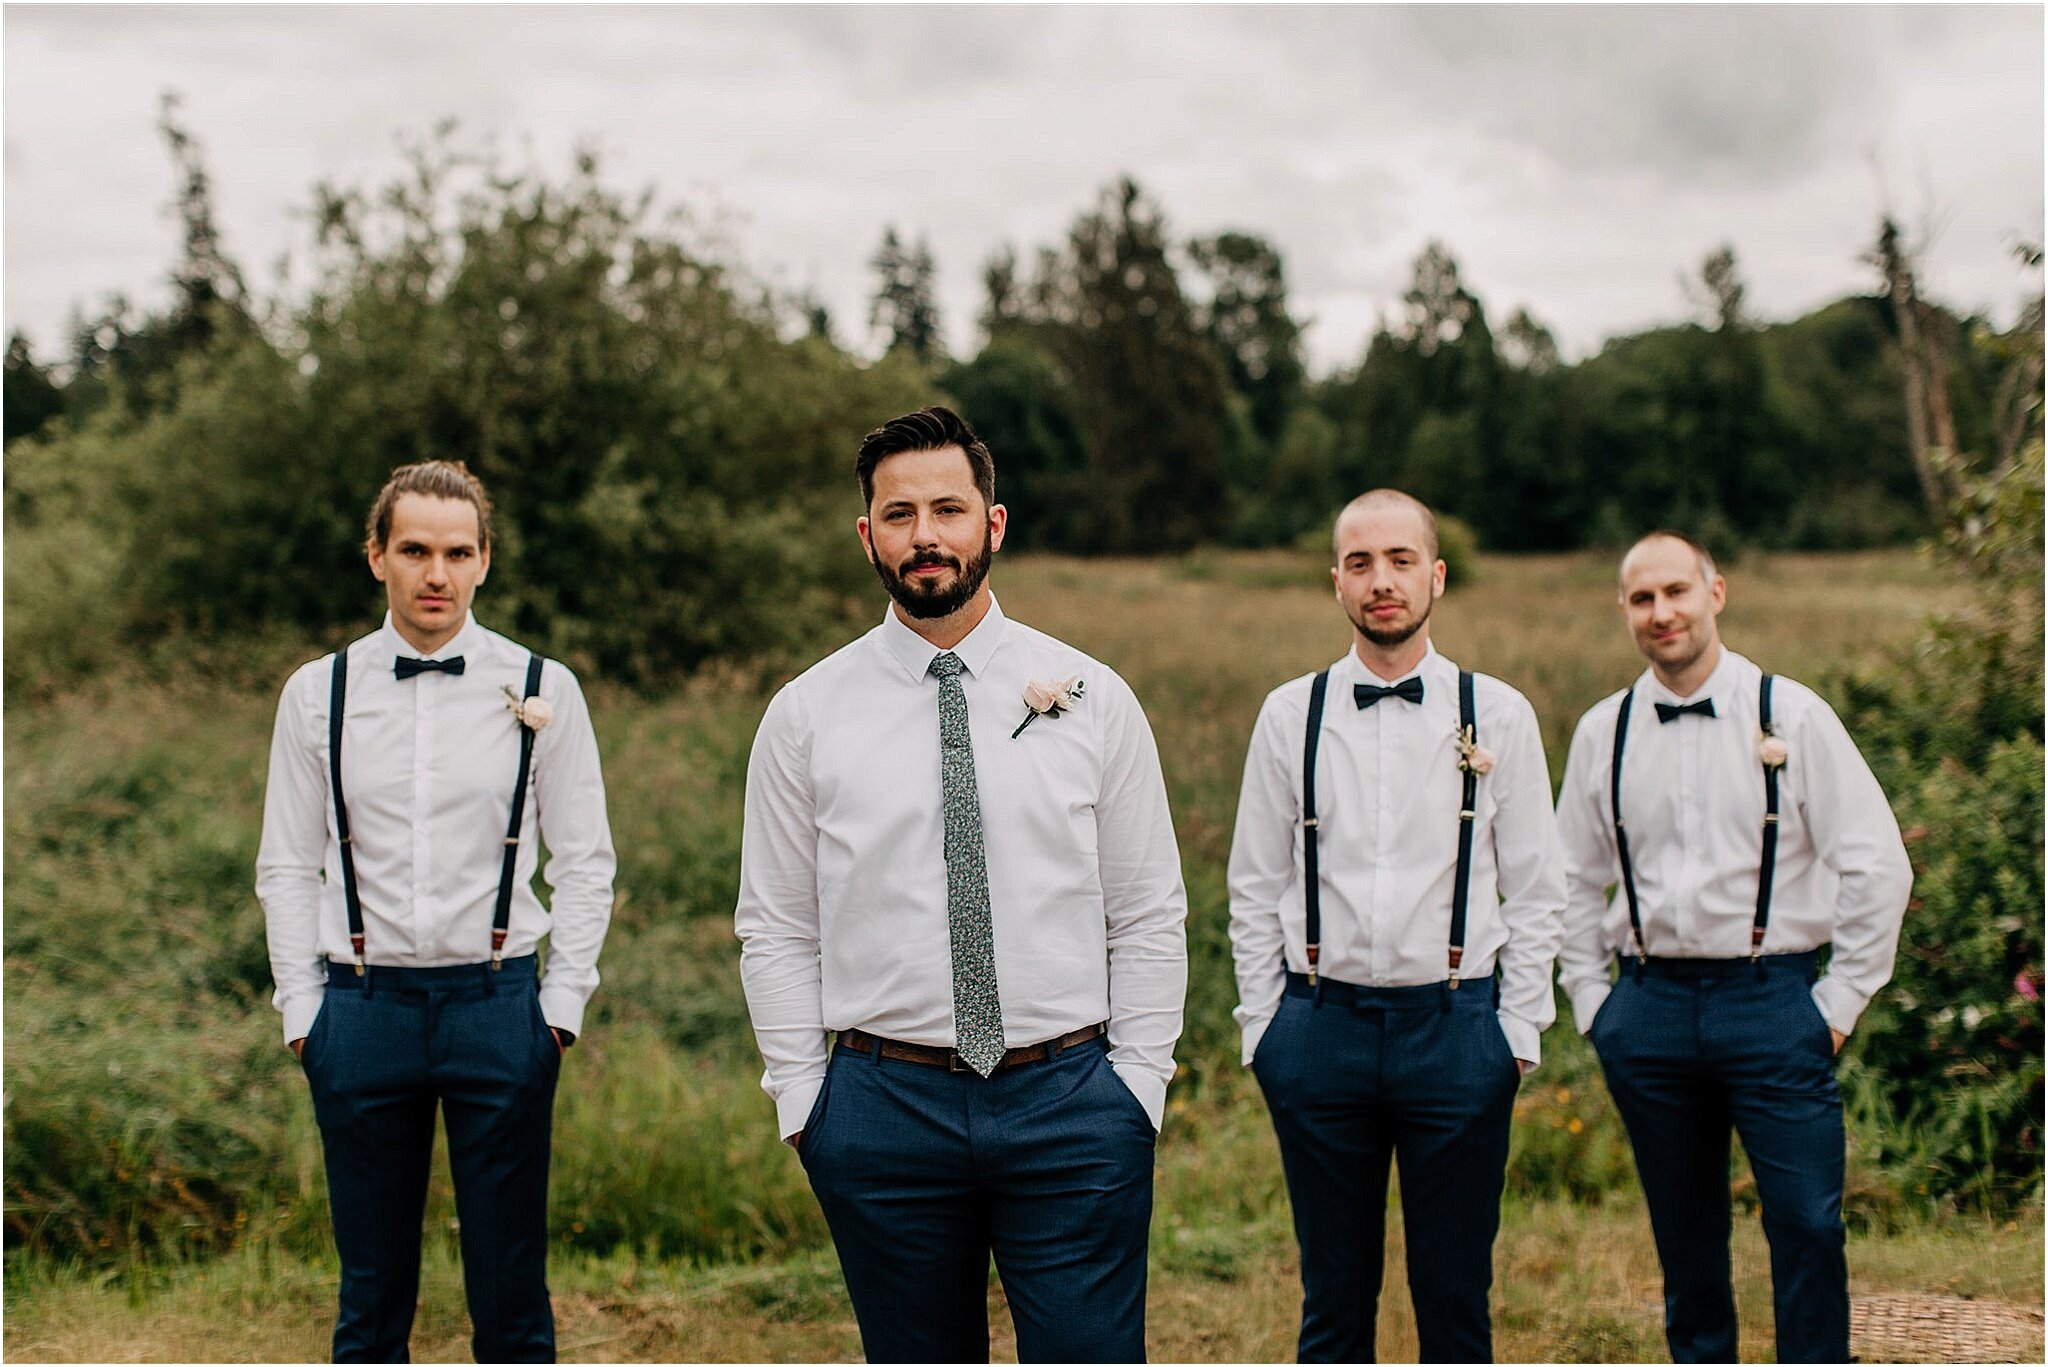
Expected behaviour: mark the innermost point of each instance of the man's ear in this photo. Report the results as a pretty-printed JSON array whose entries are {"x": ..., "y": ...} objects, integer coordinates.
[
  {"x": 374, "y": 553},
  {"x": 998, "y": 523},
  {"x": 867, "y": 541}
]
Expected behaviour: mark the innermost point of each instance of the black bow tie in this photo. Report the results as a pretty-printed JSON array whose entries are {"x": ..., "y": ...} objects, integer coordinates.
[
  {"x": 405, "y": 666},
  {"x": 1671, "y": 711},
  {"x": 1368, "y": 694}
]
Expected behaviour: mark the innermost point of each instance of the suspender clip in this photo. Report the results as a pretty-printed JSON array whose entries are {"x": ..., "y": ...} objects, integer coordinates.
[
  {"x": 356, "y": 943},
  {"x": 497, "y": 949},
  {"x": 1314, "y": 952}
]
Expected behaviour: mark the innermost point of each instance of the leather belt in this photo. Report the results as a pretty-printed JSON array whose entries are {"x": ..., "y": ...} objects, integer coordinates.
[{"x": 861, "y": 1042}]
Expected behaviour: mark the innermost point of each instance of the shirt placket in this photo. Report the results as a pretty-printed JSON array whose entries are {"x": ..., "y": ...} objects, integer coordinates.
[
  {"x": 1376, "y": 894},
  {"x": 422, "y": 800},
  {"x": 1686, "y": 905}
]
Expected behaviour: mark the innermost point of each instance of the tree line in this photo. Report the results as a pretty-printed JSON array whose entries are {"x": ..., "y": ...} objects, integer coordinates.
[{"x": 664, "y": 433}]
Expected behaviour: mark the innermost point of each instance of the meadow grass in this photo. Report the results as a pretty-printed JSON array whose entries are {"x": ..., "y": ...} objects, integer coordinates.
[{"x": 164, "y": 1195}]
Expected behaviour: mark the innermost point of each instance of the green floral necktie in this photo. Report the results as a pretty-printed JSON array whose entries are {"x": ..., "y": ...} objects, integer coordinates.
[{"x": 977, "y": 1011}]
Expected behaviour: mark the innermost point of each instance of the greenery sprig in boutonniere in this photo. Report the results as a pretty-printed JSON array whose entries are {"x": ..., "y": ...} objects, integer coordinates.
[
  {"x": 533, "y": 713},
  {"x": 1473, "y": 757},
  {"x": 1048, "y": 699}
]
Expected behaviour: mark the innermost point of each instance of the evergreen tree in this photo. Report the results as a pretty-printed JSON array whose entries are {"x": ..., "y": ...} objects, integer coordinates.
[{"x": 904, "y": 305}]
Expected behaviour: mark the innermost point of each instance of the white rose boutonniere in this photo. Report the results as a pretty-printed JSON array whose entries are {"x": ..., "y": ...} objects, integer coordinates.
[
  {"x": 1771, "y": 750},
  {"x": 1473, "y": 757},
  {"x": 533, "y": 713},
  {"x": 1048, "y": 698}
]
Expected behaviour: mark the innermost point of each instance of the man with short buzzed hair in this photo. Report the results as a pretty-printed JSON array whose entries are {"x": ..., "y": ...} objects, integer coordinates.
[
  {"x": 1742, "y": 834},
  {"x": 1395, "y": 886}
]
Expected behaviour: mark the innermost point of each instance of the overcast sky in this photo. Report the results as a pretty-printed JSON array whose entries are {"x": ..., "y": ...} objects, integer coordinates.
[{"x": 1577, "y": 162}]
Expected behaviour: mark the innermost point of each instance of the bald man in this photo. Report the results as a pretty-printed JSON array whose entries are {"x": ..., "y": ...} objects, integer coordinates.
[
  {"x": 1742, "y": 833},
  {"x": 1395, "y": 894}
]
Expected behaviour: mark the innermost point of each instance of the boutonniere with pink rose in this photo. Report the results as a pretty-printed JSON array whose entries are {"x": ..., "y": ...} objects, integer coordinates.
[
  {"x": 533, "y": 713},
  {"x": 1048, "y": 698},
  {"x": 1473, "y": 758},
  {"x": 1771, "y": 748}
]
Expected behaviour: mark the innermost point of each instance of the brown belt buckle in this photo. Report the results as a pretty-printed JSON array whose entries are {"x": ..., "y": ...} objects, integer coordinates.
[{"x": 954, "y": 1063}]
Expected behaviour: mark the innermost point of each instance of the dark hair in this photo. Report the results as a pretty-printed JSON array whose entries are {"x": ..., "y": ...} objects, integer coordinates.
[
  {"x": 436, "y": 479},
  {"x": 928, "y": 429},
  {"x": 1706, "y": 558}
]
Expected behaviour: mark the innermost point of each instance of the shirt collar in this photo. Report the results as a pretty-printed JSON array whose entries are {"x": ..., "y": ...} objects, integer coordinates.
[
  {"x": 1724, "y": 683},
  {"x": 463, "y": 642},
  {"x": 1430, "y": 668},
  {"x": 913, "y": 653}
]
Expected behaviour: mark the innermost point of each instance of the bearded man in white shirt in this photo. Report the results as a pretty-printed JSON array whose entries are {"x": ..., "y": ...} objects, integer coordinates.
[
  {"x": 1395, "y": 888},
  {"x": 958, "y": 858},
  {"x": 1742, "y": 833},
  {"x": 409, "y": 776}
]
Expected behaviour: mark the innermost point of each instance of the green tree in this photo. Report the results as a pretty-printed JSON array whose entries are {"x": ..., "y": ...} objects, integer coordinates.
[
  {"x": 32, "y": 398},
  {"x": 1150, "y": 398},
  {"x": 904, "y": 304}
]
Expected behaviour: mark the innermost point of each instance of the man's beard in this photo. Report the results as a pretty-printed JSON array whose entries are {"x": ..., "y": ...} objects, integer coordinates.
[
  {"x": 926, "y": 603},
  {"x": 1392, "y": 636}
]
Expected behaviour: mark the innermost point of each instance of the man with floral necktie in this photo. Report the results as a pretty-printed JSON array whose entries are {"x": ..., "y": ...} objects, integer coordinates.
[{"x": 963, "y": 947}]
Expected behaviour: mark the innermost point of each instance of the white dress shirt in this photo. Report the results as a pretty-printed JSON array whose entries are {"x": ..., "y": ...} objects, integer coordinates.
[
  {"x": 1388, "y": 790},
  {"x": 1692, "y": 793},
  {"x": 427, "y": 768},
  {"x": 842, "y": 902}
]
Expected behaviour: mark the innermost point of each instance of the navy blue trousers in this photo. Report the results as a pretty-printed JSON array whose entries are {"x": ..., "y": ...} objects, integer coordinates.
[
  {"x": 1691, "y": 1049},
  {"x": 384, "y": 1053},
  {"x": 923, "y": 1173},
  {"x": 1354, "y": 1078}
]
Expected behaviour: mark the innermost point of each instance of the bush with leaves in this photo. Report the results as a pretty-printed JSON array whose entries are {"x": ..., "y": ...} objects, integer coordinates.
[
  {"x": 673, "y": 480},
  {"x": 1947, "y": 1063}
]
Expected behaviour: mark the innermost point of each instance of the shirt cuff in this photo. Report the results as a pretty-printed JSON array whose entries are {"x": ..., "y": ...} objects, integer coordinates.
[
  {"x": 1525, "y": 1041},
  {"x": 793, "y": 1107},
  {"x": 1586, "y": 1004},
  {"x": 1841, "y": 1005},
  {"x": 1253, "y": 1032},
  {"x": 562, "y": 1009},
  {"x": 1148, "y": 1089},
  {"x": 300, "y": 1011}
]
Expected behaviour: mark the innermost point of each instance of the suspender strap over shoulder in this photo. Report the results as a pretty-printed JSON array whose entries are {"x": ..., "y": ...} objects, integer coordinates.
[
  {"x": 1468, "y": 811},
  {"x": 1312, "y": 887},
  {"x": 337, "y": 707},
  {"x": 1770, "y": 865},
  {"x": 1766, "y": 875},
  {"x": 501, "y": 920},
  {"x": 1628, "y": 868}
]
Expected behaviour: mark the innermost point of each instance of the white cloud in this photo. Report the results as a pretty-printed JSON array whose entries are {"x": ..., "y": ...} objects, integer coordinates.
[{"x": 1577, "y": 161}]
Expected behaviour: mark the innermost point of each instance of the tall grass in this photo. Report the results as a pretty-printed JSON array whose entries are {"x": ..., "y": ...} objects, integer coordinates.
[{"x": 152, "y": 1113}]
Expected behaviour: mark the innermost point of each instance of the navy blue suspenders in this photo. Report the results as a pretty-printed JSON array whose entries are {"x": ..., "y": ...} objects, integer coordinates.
[
  {"x": 1312, "y": 889},
  {"x": 501, "y": 920},
  {"x": 1766, "y": 876}
]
